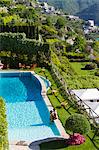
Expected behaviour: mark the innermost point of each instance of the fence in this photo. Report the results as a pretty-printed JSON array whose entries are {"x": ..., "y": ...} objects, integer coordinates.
[{"x": 80, "y": 104}]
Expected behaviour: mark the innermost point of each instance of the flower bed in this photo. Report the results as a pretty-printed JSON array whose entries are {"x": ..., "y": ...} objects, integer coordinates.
[{"x": 76, "y": 139}]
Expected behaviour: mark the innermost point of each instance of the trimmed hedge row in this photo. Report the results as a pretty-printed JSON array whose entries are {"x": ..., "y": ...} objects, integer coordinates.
[
  {"x": 20, "y": 46},
  {"x": 17, "y": 42},
  {"x": 30, "y": 31},
  {"x": 72, "y": 55},
  {"x": 3, "y": 126}
]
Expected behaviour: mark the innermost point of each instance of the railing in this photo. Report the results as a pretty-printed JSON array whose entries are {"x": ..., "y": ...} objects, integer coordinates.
[
  {"x": 81, "y": 105},
  {"x": 84, "y": 107},
  {"x": 59, "y": 77}
]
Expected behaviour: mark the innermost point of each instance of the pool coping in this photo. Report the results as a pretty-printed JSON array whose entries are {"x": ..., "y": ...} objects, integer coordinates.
[
  {"x": 50, "y": 107},
  {"x": 57, "y": 122}
]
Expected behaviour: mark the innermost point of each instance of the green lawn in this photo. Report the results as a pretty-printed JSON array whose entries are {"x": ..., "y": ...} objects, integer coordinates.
[
  {"x": 63, "y": 114},
  {"x": 82, "y": 78},
  {"x": 62, "y": 146},
  {"x": 78, "y": 67}
]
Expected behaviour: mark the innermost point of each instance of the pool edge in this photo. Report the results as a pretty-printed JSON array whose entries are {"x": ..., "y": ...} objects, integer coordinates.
[
  {"x": 49, "y": 106},
  {"x": 58, "y": 123}
]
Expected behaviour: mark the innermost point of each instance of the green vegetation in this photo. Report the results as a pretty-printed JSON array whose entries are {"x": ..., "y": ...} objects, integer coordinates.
[
  {"x": 80, "y": 43},
  {"x": 74, "y": 74},
  {"x": 3, "y": 126},
  {"x": 14, "y": 49},
  {"x": 44, "y": 43},
  {"x": 79, "y": 68},
  {"x": 96, "y": 46},
  {"x": 63, "y": 114},
  {"x": 77, "y": 123},
  {"x": 84, "y": 8},
  {"x": 16, "y": 14},
  {"x": 60, "y": 23},
  {"x": 5, "y": 2}
]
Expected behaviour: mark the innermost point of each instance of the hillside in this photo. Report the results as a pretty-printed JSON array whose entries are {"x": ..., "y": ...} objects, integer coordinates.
[
  {"x": 86, "y": 9},
  {"x": 91, "y": 12}
]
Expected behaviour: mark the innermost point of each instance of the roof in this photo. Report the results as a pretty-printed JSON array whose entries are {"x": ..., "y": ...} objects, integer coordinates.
[{"x": 87, "y": 94}]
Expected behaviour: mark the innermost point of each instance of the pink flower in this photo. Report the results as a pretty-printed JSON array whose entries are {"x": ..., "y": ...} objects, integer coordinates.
[{"x": 76, "y": 139}]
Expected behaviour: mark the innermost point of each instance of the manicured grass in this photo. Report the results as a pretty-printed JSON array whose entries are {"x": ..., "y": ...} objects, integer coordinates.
[
  {"x": 78, "y": 67},
  {"x": 63, "y": 114},
  {"x": 62, "y": 146},
  {"x": 82, "y": 78}
]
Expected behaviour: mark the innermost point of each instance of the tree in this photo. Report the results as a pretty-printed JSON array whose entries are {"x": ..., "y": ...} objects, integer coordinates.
[
  {"x": 49, "y": 21},
  {"x": 79, "y": 43},
  {"x": 5, "y": 2},
  {"x": 96, "y": 46},
  {"x": 60, "y": 23},
  {"x": 29, "y": 13},
  {"x": 77, "y": 123}
]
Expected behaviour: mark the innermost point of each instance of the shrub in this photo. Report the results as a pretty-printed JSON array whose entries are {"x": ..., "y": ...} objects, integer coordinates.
[
  {"x": 72, "y": 55},
  {"x": 3, "y": 126},
  {"x": 97, "y": 73},
  {"x": 60, "y": 22},
  {"x": 48, "y": 29},
  {"x": 77, "y": 123},
  {"x": 76, "y": 139},
  {"x": 24, "y": 50},
  {"x": 90, "y": 66},
  {"x": 97, "y": 61}
]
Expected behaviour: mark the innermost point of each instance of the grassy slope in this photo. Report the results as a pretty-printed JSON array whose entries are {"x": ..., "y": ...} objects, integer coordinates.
[
  {"x": 73, "y": 75},
  {"x": 63, "y": 115},
  {"x": 77, "y": 66}
]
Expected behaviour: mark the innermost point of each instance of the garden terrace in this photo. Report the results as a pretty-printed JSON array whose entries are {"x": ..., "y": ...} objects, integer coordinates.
[
  {"x": 30, "y": 31},
  {"x": 16, "y": 48},
  {"x": 64, "y": 112},
  {"x": 74, "y": 73}
]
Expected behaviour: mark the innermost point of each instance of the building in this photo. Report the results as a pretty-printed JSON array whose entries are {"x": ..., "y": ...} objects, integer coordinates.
[
  {"x": 47, "y": 8},
  {"x": 71, "y": 17},
  {"x": 90, "y": 101},
  {"x": 70, "y": 41},
  {"x": 91, "y": 23}
]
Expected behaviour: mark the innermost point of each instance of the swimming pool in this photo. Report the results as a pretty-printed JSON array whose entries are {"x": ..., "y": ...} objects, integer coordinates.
[
  {"x": 27, "y": 114},
  {"x": 47, "y": 83}
]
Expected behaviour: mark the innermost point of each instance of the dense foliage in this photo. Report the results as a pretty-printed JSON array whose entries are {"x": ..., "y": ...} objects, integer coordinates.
[
  {"x": 77, "y": 123},
  {"x": 60, "y": 23},
  {"x": 3, "y": 126},
  {"x": 79, "y": 43},
  {"x": 50, "y": 45},
  {"x": 75, "y": 75},
  {"x": 15, "y": 48}
]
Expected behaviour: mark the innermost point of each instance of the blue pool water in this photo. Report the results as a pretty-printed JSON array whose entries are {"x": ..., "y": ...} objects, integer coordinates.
[
  {"x": 27, "y": 114},
  {"x": 47, "y": 83}
]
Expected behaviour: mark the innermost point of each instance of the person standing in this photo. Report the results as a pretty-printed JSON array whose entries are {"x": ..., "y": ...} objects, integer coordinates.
[
  {"x": 54, "y": 114},
  {"x": 51, "y": 116}
]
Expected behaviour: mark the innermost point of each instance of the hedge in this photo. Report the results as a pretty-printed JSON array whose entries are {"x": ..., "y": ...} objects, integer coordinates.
[
  {"x": 72, "y": 55},
  {"x": 30, "y": 31},
  {"x": 19, "y": 45},
  {"x": 3, "y": 126},
  {"x": 17, "y": 42}
]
